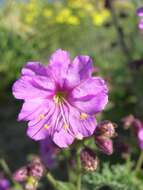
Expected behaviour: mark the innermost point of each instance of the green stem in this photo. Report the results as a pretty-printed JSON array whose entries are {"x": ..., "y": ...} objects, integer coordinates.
[
  {"x": 128, "y": 163},
  {"x": 139, "y": 162},
  {"x": 52, "y": 181},
  {"x": 5, "y": 167},
  {"x": 8, "y": 172},
  {"x": 78, "y": 170},
  {"x": 120, "y": 33}
]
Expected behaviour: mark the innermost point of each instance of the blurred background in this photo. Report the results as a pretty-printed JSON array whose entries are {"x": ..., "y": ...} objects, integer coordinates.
[{"x": 33, "y": 29}]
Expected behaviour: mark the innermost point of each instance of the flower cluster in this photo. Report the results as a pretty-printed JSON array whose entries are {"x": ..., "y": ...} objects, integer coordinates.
[
  {"x": 140, "y": 14},
  {"x": 60, "y": 99},
  {"x": 103, "y": 135},
  {"x": 69, "y": 13},
  {"x": 30, "y": 174}
]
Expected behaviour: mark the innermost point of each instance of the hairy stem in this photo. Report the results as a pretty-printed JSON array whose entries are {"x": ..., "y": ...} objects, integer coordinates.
[
  {"x": 78, "y": 169},
  {"x": 8, "y": 172},
  {"x": 52, "y": 181},
  {"x": 139, "y": 162},
  {"x": 5, "y": 167}
]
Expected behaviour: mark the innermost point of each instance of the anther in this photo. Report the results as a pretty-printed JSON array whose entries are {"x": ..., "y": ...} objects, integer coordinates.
[
  {"x": 83, "y": 116},
  {"x": 66, "y": 126},
  {"x": 46, "y": 126}
]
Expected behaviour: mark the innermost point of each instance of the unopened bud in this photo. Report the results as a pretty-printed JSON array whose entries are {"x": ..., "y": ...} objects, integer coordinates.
[
  {"x": 107, "y": 129},
  {"x": 21, "y": 174},
  {"x": 128, "y": 121},
  {"x": 104, "y": 144},
  {"x": 36, "y": 168},
  {"x": 89, "y": 159}
]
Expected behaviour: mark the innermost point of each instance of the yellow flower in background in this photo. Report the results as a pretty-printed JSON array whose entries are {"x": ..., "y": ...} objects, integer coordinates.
[
  {"x": 29, "y": 18},
  {"x": 88, "y": 7},
  {"x": 63, "y": 15},
  {"x": 84, "y": 8},
  {"x": 100, "y": 17},
  {"x": 32, "y": 10},
  {"x": 76, "y": 3},
  {"x": 73, "y": 20},
  {"x": 66, "y": 16},
  {"x": 47, "y": 13},
  {"x": 31, "y": 6}
]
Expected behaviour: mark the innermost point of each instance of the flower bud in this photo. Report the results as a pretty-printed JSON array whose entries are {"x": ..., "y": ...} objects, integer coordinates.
[
  {"x": 140, "y": 11},
  {"x": 128, "y": 121},
  {"x": 89, "y": 159},
  {"x": 36, "y": 168},
  {"x": 107, "y": 129},
  {"x": 104, "y": 144},
  {"x": 21, "y": 174}
]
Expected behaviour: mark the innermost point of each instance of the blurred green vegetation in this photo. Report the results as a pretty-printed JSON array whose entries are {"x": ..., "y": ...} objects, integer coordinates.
[{"x": 32, "y": 30}]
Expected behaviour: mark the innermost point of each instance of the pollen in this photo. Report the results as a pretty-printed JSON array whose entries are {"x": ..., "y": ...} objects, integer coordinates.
[
  {"x": 46, "y": 126},
  {"x": 83, "y": 116},
  {"x": 41, "y": 116},
  {"x": 66, "y": 126}
]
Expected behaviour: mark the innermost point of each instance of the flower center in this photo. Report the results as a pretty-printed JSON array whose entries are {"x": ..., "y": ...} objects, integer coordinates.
[{"x": 59, "y": 97}]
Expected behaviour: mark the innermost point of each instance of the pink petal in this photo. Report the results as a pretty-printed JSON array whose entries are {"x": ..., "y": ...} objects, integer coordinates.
[
  {"x": 34, "y": 68},
  {"x": 39, "y": 129},
  {"x": 32, "y": 109},
  {"x": 59, "y": 63},
  {"x": 29, "y": 88},
  {"x": 62, "y": 138},
  {"x": 80, "y": 69},
  {"x": 91, "y": 96}
]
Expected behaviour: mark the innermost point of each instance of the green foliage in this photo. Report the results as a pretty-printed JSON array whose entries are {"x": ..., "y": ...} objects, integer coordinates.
[{"x": 115, "y": 177}]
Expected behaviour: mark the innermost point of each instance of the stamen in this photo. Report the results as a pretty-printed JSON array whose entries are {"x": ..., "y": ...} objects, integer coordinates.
[
  {"x": 46, "y": 126},
  {"x": 41, "y": 116},
  {"x": 66, "y": 126},
  {"x": 83, "y": 116}
]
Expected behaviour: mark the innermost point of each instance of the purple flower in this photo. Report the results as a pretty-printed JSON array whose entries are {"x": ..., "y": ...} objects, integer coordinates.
[
  {"x": 4, "y": 184},
  {"x": 139, "y": 132},
  {"x": 140, "y": 25},
  {"x": 140, "y": 11},
  {"x": 140, "y": 138},
  {"x": 138, "y": 127},
  {"x": 48, "y": 151},
  {"x": 61, "y": 99}
]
